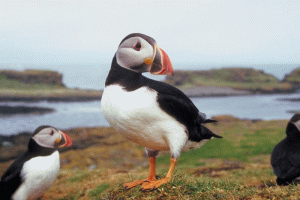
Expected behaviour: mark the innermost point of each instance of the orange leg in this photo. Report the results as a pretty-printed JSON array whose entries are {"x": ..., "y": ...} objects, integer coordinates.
[
  {"x": 151, "y": 185},
  {"x": 151, "y": 176}
]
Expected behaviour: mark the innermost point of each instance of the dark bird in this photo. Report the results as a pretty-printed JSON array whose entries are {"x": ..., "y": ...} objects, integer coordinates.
[
  {"x": 285, "y": 157},
  {"x": 151, "y": 113},
  {"x": 34, "y": 171}
]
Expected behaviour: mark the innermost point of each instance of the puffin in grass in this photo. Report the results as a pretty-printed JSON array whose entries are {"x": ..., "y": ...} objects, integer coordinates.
[
  {"x": 153, "y": 114},
  {"x": 34, "y": 171},
  {"x": 285, "y": 158}
]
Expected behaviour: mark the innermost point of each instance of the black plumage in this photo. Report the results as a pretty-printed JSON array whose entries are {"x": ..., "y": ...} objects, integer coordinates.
[
  {"x": 170, "y": 99},
  {"x": 11, "y": 179},
  {"x": 152, "y": 113},
  {"x": 35, "y": 170},
  {"x": 285, "y": 157}
]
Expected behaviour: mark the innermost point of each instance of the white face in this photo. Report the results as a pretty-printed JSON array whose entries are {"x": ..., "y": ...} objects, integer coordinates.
[
  {"x": 48, "y": 137},
  {"x": 133, "y": 52},
  {"x": 297, "y": 123}
]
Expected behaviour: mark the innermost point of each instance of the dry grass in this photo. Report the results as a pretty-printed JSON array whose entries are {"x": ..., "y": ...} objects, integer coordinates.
[{"x": 235, "y": 167}]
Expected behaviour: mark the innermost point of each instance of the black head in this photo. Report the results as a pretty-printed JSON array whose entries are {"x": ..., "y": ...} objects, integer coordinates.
[
  {"x": 50, "y": 137},
  {"x": 293, "y": 127},
  {"x": 140, "y": 53}
]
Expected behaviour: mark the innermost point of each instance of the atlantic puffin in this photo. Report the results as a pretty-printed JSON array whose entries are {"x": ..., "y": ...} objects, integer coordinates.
[
  {"x": 34, "y": 171},
  {"x": 285, "y": 158},
  {"x": 151, "y": 113}
]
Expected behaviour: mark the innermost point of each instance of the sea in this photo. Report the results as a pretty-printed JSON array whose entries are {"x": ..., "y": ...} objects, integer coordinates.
[{"x": 88, "y": 114}]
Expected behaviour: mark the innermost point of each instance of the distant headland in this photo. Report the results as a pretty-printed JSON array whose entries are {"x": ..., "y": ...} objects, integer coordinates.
[
  {"x": 232, "y": 81},
  {"x": 36, "y": 85}
]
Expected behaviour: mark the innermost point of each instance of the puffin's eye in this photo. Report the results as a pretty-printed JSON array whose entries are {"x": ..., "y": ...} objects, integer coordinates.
[
  {"x": 137, "y": 46},
  {"x": 52, "y": 132}
]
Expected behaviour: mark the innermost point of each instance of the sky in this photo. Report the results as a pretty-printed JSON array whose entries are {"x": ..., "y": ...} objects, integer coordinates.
[{"x": 48, "y": 33}]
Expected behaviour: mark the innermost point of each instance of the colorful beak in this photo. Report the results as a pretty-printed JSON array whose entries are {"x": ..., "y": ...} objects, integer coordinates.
[
  {"x": 65, "y": 140},
  {"x": 162, "y": 63}
]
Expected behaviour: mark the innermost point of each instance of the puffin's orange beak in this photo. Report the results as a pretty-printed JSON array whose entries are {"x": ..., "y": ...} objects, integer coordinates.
[
  {"x": 65, "y": 140},
  {"x": 161, "y": 63}
]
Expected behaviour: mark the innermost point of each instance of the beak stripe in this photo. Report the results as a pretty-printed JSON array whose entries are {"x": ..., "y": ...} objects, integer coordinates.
[
  {"x": 57, "y": 140},
  {"x": 148, "y": 61}
]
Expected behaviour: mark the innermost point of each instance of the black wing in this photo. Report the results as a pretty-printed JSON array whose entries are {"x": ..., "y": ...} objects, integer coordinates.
[
  {"x": 177, "y": 104},
  {"x": 292, "y": 142},
  {"x": 285, "y": 161},
  {"x": 11, "y": 179},
  {"x": 174, "y": 102}
]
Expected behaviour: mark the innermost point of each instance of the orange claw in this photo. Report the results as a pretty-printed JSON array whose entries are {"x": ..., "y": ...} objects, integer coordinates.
[
  {"x": 151, "y": 176},
  {"x": 133, "y": 184},
  {"x": 151, "y": 185}
]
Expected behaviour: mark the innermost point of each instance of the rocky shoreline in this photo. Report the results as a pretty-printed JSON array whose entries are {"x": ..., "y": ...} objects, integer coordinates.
[
  {"x": 14, "y": 145},
  {"x": 51, "y": 99},
  {"x": 212, "y": 91},
  {"x": 196, "y": 91},
  {"x": 12, "y": 110},
  {"x": 53, "y": 96}
]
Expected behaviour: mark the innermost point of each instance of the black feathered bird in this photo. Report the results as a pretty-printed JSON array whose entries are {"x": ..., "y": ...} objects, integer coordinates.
[
  {"x": 35, "y": 170},
  {"x": 285, "y": 157},
  {"x": 152, "y": 113}
]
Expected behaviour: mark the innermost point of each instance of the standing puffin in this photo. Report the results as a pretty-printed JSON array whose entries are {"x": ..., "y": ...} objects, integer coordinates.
[
  {"x": 151, "y": 113},
  {"x": 34, "y": 171},
  {"x": 285, "y": 157}
]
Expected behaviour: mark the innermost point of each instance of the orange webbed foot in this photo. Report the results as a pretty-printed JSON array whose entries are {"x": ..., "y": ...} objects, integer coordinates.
[
  {"x": 133, "y": 184},
  {"x": 152, "y": 185}
]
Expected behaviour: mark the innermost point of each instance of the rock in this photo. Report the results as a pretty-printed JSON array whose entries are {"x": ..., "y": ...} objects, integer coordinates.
[{"x": 12, "y": 110}]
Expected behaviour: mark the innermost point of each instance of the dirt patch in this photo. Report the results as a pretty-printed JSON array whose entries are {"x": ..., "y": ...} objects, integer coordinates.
[{"x": 220, "y": 170}]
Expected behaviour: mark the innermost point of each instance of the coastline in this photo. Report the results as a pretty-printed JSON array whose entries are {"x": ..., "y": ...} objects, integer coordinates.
[
  {"x": 92, "y": 95},
  {"x": 213, "y": 91},
  {"x": 13, "y": 110},
  {"x": 50, "y": 95}
]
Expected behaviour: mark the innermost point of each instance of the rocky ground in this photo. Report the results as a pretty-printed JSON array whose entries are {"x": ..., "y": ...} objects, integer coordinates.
[
  {"x": 11, "y": 110},
  {"x": 213, "y": 91}
]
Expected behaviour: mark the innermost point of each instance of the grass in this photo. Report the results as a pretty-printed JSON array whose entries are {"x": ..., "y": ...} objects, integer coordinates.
[
  {"x": 266, "y": 86},
  {"x": 48, "y": 91},
  {"x": 293, "y": 76},
  {"x": 11, "y": 88},
  {"x": 96, "y": 193},
  {"x": 11, "y": 84},
  {"x": 235, "y": 167},
  {"x": 237, "y": 78}
]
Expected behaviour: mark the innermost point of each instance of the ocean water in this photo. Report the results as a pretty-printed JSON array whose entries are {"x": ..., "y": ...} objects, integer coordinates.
[
  {"x": 88, "y": 114},
  {"x": 78, "y": 114}
]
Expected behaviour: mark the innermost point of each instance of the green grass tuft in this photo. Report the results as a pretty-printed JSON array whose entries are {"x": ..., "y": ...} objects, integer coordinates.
[
  {"x": 95, "y": 193},
  {"x": 80, "y": 177}
]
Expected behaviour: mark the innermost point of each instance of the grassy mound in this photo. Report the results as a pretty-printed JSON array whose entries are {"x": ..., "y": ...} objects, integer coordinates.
[
  {"x": 8, "y": 83},
  {"x": 237, "y": 78},
  {"x": 235, "y": 167},
  {"x": 293, "y": 77},
  {"x": 19, "y": 87},
  {"x": 30, "y": 76}
]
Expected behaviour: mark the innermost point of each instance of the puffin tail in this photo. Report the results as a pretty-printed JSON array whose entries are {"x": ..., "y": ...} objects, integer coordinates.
[
  {"x": 201, "y": 132},
  {"x": 207, "y": 134}
]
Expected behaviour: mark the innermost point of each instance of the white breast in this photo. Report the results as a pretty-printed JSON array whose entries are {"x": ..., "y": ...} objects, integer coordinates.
[
  {"x": 38, "y": 174},
  {"x": 138, "y": 117}
]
